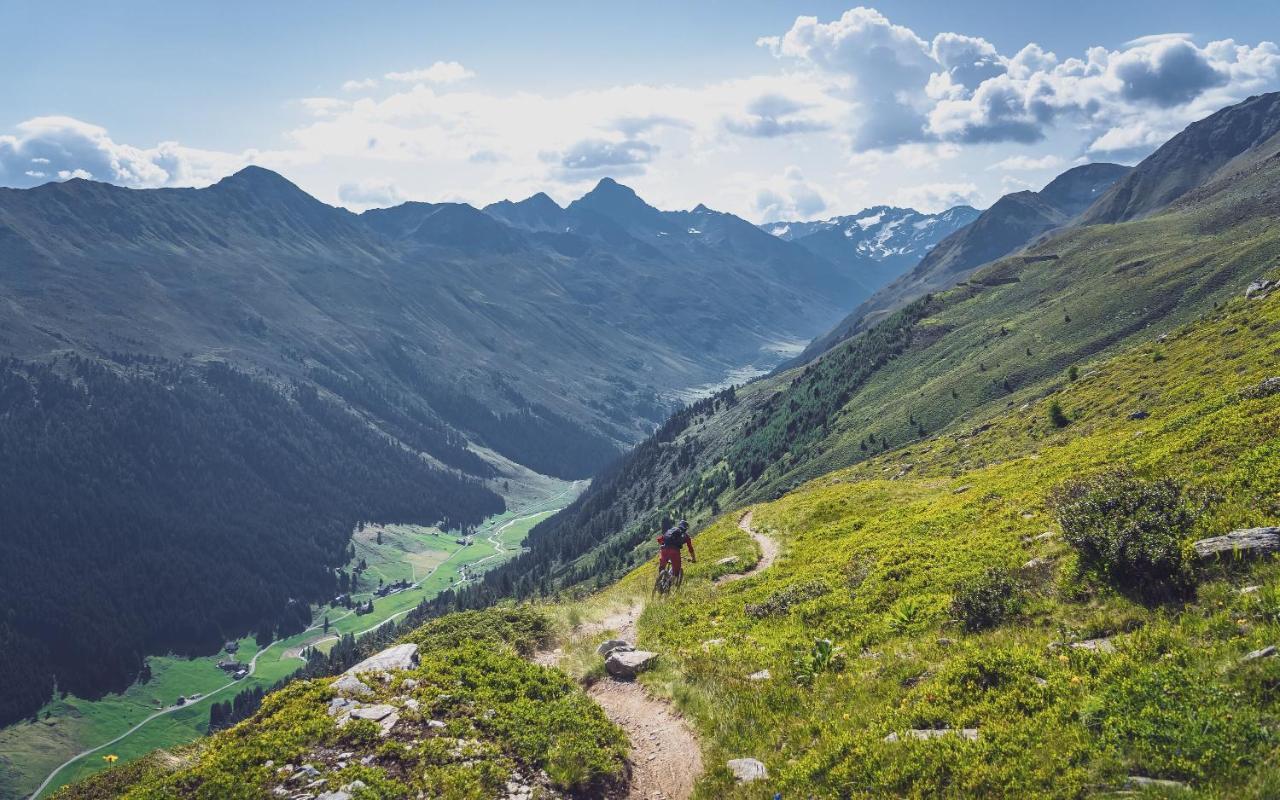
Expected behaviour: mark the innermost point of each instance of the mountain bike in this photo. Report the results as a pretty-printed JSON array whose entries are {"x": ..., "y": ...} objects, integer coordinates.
[{"x": 667, "y": 580}]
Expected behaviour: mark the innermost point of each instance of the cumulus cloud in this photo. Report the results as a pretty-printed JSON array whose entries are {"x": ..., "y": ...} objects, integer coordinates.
[
  {"x": 439, "y": 72},
  {"x": 773, "y": 115},
  {"x": 322, "y": 106},
  {"x": 372, "y": 193},
  {"x": 934, "y": 197},
  {"x": 788, "y": 198},
  {"x": 356, "y": 86},
  {"x": 959, "y": 88},
  {"x": 1028, "y": 163},
  {"x": 591, "y": 158}
]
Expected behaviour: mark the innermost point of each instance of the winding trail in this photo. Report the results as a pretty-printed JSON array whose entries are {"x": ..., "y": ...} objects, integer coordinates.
[{"x": 666, "y": 758}]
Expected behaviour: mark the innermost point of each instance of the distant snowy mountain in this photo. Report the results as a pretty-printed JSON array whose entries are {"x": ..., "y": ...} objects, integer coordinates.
[{"x": 878, "y": 243}]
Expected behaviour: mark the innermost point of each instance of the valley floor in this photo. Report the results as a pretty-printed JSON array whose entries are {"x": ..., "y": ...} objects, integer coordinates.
[{"x": 70, "y": 737}]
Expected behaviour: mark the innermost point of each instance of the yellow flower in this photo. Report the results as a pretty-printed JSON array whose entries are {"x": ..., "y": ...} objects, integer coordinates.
[
  {"x": 111, "y": 759},
  {"x": 1075, "y": 678}
]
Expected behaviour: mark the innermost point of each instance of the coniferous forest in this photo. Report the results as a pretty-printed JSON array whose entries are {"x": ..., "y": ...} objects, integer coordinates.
[{"x": 181, "y": 506}]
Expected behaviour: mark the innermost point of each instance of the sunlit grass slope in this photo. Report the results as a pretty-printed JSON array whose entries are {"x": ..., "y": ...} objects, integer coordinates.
[{"x": 874, "y": 556}]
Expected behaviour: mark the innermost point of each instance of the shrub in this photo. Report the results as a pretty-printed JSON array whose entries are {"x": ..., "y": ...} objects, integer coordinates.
[
  {"x": 1057, "y": 416},
  {"x": 782, "y": 600},
  {"x": 1130, "y": 531},
  {"x": 985, "y": 601}
]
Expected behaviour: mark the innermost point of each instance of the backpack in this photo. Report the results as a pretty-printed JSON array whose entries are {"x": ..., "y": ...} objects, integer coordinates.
[{"x": 675, "y": 537}]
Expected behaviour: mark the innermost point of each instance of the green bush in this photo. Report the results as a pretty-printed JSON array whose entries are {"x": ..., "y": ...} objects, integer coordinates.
[
  {"x": 1130, "y": 531},
  {"x": 782, "y": 600},
  {"x": 1057, "y": 416},
  {"x": 985, "y": 601}
]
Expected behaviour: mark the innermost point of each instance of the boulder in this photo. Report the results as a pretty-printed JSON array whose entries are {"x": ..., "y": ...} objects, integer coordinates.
[
  {"x": 402, "y": 656},
  {"x": 1268, "y": 387},
  {"x": 1104, "y": 645},
  {"x": 1259, "y": 288},
  {"x": 1140, "y": 782},
  {"x": 610, "y": 646},
  {"x": 375, "y": 713},
  {"x": 1244, "y": 543},
  {"x": 762, "y": 675},
  {"x": 934, "y": 733},
  {"x": 727, "y": 560},
  {"x": 747, "y": 770},
  {"x": 1266, "y": 652},
  {"x": 351, "y": 686},
  {"x": 338, "y": 795},
  {"x": 629, "y": 663}
]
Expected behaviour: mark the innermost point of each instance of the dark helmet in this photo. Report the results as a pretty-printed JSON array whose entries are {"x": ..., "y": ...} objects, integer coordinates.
[{"x": 683, "y": 525}]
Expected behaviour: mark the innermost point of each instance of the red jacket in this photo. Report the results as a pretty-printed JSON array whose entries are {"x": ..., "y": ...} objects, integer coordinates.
[{"x": 688, "y": 542}]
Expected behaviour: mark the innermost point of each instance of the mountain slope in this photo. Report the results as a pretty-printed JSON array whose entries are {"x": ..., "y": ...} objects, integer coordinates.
[
  {"x": 1008, "y": 225},
  {"x": 1188, "y": 160},
  {"x": 877, "y": 244},
  {"x": 470, "y": 350}
]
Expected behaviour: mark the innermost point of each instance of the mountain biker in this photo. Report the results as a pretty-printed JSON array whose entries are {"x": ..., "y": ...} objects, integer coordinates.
[{"x": 677, "y": 536}]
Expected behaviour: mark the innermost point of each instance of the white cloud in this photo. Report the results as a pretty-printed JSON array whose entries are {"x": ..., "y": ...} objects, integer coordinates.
[
  {"x": 439, "y": 72},
  {"x": 934, "y": 197},
  {"x": 323, "y": 106},
  {"x": 371, "y": 193},
  {"x": 1028, "y": 163},
  {"x": 789, "y": 197},
  {"x": 356, "y": 86}
]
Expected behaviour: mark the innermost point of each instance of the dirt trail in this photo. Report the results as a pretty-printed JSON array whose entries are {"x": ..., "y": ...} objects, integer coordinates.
[
  {"x": 768, "y": 551},
  {"x": 666, "y": 759}
]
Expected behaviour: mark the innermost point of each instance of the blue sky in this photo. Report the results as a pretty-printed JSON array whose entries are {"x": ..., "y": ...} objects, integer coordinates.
[{"x": 746, "y": 106}]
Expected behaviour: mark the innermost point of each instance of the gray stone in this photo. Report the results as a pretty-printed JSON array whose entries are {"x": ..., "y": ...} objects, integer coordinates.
[
  {"x": 374, "y": 713},
  {"x": 611, "y": 645},
  {"x": 1266, "y": 652},
  {"x": 1250, "y": 589},
  {"x": 1036, "y": 564},
  {"x": 435, "y": 724},
  {"x": 338, "y": 795},
  {"x": 746, "y": 770},
  {"x": 351, "y": 686},
  {"x": 629, "y": 663},
  {"x": 762, "y": 675},
  {"x": 1259, "y": 288},
  {"x": 934, "y": 733},
  {"x": 402, "y": 656},
  {"x": 1140, "y": 782},
  {"x": 1244, "y": 543},
  {"x": 1104, "y": 645},
  {"x": 961, "y": 489},
  {"x": 1268, "y": 387},
  {"x": 727, "y": 560}
]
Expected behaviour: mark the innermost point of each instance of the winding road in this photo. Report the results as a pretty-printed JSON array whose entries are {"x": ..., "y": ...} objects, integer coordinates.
[{"x": 499, "y": 550}]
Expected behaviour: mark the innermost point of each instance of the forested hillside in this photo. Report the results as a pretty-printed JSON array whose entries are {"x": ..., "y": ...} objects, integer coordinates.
[{"x": 152, "y": 507}]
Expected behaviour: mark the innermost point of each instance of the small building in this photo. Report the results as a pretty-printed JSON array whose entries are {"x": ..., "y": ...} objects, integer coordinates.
[
  {"x": 229, "y": 665},
  {"x": 241, "y": 673}
]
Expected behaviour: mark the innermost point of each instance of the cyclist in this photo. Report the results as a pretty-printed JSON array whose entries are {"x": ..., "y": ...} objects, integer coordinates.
[{"x": 676, "y": 537}]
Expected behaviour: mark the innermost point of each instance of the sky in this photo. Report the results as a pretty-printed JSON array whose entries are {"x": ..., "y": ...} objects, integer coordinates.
[{"x": 770, "y": 110}]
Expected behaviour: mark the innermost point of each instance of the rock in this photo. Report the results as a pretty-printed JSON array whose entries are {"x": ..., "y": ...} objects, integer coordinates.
[
  {"x": 1140, "y": 782},
  {"x": 1244, "y": 543},
  {"x": 1036, "y": 564},
  {"x": 629, "y": 663},
  {"x": 1139, "y": 414},
  {"x": 354, "y": 786},
  {"x": 1103, "y": 645},
  {"x": 409, "y": 683},
  {"x": 338, "y": 795},
  {"x": 412, "y": 704},
  {"x": 610, "y": 646},
  {"x": 435, "y": 724},
  {"x": 943, "y": 641},
  {"x": 935, "y": 733},
  {"x": 351, "y": 686},
  {"x": 1042, "y": 536},
  {"x": 747, "y": 770},
  {"x": 762, "y": 675},
  {"x": 727, "y": 560},
  {"x": 1259, "y": 288},
  {"x": 1266, "y": 652},
  {"x": 1268, "y": 387},
  {"x": 710, "y": 643},
  {"x": 374, "y": 713},
  {"x": 961, "y": 489},
  {"x": 402, "y": 656},
  {"x": 1250, "y": 589},
  {"x": 387, "y": 723}
]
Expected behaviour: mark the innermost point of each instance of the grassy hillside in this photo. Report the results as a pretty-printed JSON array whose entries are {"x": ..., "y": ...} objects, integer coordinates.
[
  {"x": 475, "y": 716},
  {"x": 941, "y": 576}
]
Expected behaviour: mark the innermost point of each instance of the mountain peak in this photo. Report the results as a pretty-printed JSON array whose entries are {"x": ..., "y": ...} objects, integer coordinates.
[
  {"x": 257, "y": 177},
  {"x": 612, "y": 199}
]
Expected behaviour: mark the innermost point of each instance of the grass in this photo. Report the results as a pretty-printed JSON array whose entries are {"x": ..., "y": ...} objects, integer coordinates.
[
  {"x": 474, "y": 715},
  {"x": 873, "y": 556},
  {"x": 29, "y": 751}
]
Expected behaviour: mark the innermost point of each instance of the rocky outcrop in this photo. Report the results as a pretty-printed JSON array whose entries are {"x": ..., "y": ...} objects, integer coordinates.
[
  {"x": 613, "y": 645},
  {"x": 934, "y": 733},
  {"x": 629, "y": 663},
  {"x": 402, "y": 656},
  {"x": 1239, "y": 544},
  {"x": 746, "y": 770},
  {"x": 1266, "y": 652},
  {"x": 1267, "y": 388},
  {"x": 1259, "y": 288}
]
